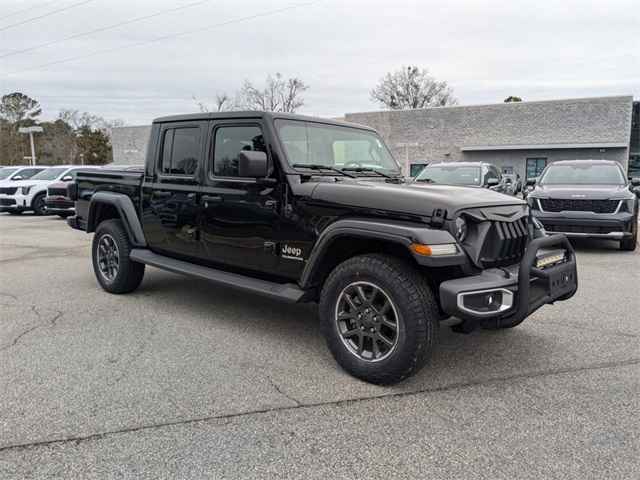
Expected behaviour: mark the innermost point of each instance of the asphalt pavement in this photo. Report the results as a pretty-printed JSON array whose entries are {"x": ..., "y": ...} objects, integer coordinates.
[{"x": 183, "y": 379}]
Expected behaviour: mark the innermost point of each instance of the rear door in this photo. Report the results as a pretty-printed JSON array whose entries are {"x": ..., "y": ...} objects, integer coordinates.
[
  {"x": 240, "y": 215},
  {"x": 171, "y": 205}
]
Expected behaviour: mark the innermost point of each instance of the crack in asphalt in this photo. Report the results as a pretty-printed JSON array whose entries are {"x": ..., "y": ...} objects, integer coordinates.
[
  {"x": 50, "y": 321},
  {"x": 282, "y": 392},
  {"x": 15, "y": 341},
  {"x": 455, "y": 386},
  {"x": 135, "y": 356}
]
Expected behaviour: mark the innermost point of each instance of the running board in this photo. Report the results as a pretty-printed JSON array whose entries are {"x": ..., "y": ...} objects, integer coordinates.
[{"x": 287, "y": 292}]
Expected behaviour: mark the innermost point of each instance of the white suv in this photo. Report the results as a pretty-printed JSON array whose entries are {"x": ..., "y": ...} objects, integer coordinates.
[
  {"x": 28, "y": 194},
  {"x": 9, "y": 177}
]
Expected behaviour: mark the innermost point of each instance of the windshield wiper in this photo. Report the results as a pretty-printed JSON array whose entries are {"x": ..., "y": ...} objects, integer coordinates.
[
  {"x": 368, "y": 169},
  {"x": 319, "y": 166}
]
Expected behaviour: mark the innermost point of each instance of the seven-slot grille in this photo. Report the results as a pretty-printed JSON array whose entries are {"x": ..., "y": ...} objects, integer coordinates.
[
  {"x": 9, "y": 190},
  {"x": 574, "y": 205},
  {"x": 57, "y": 192},
  {"x": 504, "y": 243}
]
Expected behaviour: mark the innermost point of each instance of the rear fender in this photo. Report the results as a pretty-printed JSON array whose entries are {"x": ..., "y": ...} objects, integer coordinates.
[{"x": 126, "y": 212}]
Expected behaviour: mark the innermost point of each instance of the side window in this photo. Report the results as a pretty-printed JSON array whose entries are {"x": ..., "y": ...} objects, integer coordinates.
[
  {"x": 229, "y": 142},
  {"x": 492, "y": 173},
  {"x": 29, "y": 172},
  {"x": 180, "y": 151}
]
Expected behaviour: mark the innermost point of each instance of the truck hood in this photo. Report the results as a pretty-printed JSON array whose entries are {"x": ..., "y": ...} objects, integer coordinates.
[
  {"x": 411, "y": 198},
  {"x": 590, "y": 192}
]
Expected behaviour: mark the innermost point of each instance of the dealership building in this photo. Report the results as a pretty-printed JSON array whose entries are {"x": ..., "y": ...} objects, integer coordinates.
[{"x": 519, "y": 137}]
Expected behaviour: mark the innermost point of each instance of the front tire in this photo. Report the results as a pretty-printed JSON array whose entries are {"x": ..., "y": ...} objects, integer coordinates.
[
  {"x": 38, "y": 205},
  {"x": 629, "y": 244},
  {"x": 379, "y": 318},
  {"x": 114, "y": 270}
]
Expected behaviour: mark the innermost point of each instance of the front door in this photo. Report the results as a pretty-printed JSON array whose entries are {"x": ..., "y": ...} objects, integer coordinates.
[
  {"x": 171, "y": 200},
  {"x": 239, "y": 215},
  {"x": 535, "y": 166}
]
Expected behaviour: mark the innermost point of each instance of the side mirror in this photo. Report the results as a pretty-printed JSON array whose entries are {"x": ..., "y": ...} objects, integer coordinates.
[
  {"x": 635, "y": 181},
  {"x": 67, "y": 178},
  {"x": 252, "y": 164},
  {"x": 17, "y": 177},
  {"x": 531, "y": 182},
  {"x": 492, "y": 182}
]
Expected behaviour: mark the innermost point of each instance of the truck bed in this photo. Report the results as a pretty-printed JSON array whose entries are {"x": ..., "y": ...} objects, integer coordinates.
[{"x": 90, "y": 182}]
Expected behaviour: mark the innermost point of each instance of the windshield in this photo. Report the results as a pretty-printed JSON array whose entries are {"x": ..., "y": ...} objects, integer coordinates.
[
  {"x": 5, "y": 172},
  {"x": 588, "y": 174},
  {"x": 308, "y": 143},
  {"x": 450, "y": 175},
  {"x": 50, "y": 173}
]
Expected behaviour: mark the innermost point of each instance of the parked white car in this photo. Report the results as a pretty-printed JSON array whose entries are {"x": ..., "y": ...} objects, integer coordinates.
[
  {"x": 19, "y": 196},
  {"x": 9, "y": 178}
]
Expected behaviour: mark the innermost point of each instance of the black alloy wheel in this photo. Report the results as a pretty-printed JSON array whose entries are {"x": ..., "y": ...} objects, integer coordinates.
[
  {"x": 108, "y": 257},
  {"x": 367, "y": 321}
]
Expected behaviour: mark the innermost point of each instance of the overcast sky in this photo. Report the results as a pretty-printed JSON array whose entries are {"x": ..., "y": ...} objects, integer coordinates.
[{"x": 486, "y": 50}]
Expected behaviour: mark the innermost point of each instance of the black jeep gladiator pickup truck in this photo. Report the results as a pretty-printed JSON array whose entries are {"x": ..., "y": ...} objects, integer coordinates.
[{"x": 304, "y": 209}]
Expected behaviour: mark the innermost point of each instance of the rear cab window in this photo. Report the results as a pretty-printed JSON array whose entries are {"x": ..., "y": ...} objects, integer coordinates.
[{"x": 181, "y": 151}]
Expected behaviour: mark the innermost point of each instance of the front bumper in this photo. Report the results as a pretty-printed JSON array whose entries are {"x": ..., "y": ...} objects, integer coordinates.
[
  {"x": 59, "y": 205},
  {"x": 15, "y": 202},
  {"x": 614, "y": 226},
  {"x": 9, "y": 204},
  {"x": 521, "y": 289}
]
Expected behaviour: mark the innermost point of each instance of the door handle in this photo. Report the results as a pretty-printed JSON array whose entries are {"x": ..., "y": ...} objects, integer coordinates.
[
  {"x": 161, "y": 194},
  {"x": 211, "y": 199}
]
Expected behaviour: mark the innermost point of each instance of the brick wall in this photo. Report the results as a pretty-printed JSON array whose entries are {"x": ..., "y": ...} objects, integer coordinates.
[{"x": 130, "y": 144}]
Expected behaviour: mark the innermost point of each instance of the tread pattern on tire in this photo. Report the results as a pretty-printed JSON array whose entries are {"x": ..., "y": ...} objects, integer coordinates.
[
  {"x": 412, "y": 296},
  {"x": 130, "y": 273}
]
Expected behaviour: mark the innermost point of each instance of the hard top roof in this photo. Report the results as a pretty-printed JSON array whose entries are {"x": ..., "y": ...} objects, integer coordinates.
[{"x": 256, "y": 114}]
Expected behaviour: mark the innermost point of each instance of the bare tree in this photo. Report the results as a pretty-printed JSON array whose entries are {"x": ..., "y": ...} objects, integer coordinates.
[
  {"x": 222, "y": 103},
  {"x": 409, "y": 88},
  {"x": 278, "y": 95},
  {"x": 85, "y": 120},
  {"x": 17, "y": 107}
]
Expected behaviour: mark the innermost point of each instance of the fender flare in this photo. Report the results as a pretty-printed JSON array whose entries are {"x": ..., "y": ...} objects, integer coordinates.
[
  {"x": 402, "y": 233},
  {"x": 126, "y": 210}
]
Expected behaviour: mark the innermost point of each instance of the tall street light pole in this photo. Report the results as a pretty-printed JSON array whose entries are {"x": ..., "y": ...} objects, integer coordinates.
[{"x": 31, "y": 131}]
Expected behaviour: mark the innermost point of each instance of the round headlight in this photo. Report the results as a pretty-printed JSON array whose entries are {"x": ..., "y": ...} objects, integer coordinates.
[{"x": 461, "y": 229}]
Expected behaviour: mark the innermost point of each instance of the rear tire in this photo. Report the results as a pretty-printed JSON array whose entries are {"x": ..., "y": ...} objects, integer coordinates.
[
  {"x": 379, "y": 318},
  {"x": 114, "y": 270}
]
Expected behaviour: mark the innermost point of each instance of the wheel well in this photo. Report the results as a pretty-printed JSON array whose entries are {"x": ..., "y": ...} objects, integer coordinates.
[
  {"x": 39, "y": 194},
  {"x": 103, "y": 211},
  {"x": 345, "y": 247}
]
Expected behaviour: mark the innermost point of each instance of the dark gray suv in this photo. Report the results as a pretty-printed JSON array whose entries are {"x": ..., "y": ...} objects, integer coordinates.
[{"x": 587, "y": 198}]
